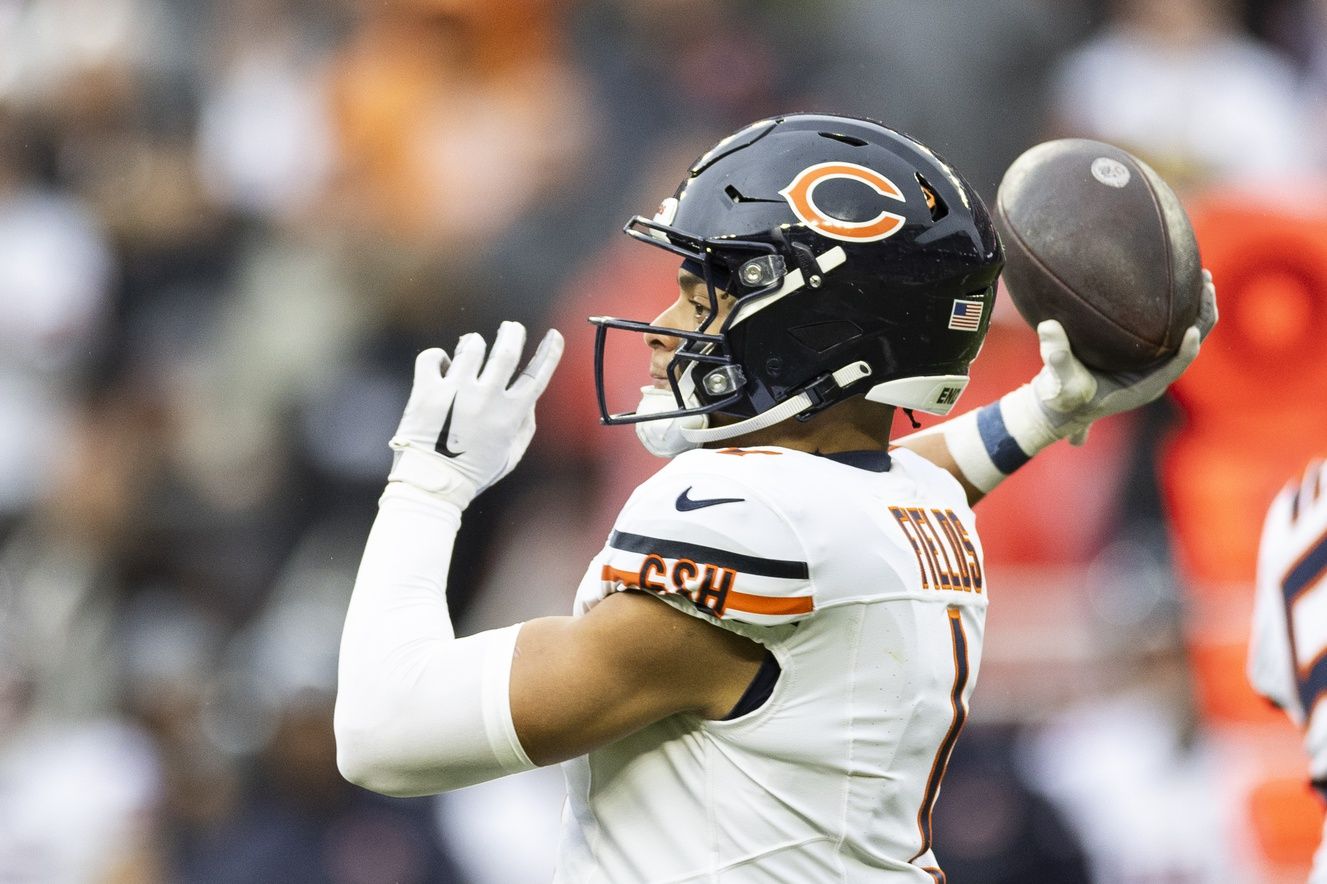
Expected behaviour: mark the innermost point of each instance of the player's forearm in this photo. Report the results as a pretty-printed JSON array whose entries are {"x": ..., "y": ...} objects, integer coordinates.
[
  {"x": 396, "y": 624},
  {"x": 419, "y": 711}
]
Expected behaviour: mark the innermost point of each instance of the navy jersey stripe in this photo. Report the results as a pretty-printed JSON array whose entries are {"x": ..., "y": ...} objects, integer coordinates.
[
  {"x": 1312, "y": 685},
  {"x": 1306, "y": 571},
  {"x": 1302, "y": 575},
  {"x": 675, "y": 549}
]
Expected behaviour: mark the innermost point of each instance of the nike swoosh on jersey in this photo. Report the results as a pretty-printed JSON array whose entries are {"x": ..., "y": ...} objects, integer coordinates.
[
  {"x": 686, "y": 503},
  {"x": 441, "y": 446}
]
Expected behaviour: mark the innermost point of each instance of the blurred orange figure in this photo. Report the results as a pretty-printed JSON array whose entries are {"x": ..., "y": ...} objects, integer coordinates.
[
  {"x": 1256, "y": 411},
  {"x": 453, "y": 116},
  {"x": 1225, "y": 463}
]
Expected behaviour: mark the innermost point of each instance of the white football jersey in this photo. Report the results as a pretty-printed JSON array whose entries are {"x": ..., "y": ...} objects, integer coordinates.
[
  {"x": 1288, "y": 647},
  {"x": 867, "y": 587}
]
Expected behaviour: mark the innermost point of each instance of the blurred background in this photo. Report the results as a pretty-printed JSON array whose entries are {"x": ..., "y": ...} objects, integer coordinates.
[{"x": 226, "y": 228}]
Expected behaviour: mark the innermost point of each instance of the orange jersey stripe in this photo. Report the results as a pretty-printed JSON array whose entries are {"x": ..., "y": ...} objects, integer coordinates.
[
  {"x": 739, "y": 601},
  {"x": 761, "y": 604},
  {"x": 627, "y": 578}
]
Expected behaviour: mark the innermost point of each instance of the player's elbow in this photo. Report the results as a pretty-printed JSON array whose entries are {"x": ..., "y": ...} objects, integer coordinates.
[
  {"x": 367, "y": 757},
  {"x": 358, "y": 756},
  {"x": 354, "y": 759},
  {"x": 362, "y": 770}
]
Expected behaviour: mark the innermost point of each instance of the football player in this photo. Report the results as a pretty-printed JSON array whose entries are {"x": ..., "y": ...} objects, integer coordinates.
[
  {"x": 1288, "y": 647},
  {"x": 772, "y": 657}
]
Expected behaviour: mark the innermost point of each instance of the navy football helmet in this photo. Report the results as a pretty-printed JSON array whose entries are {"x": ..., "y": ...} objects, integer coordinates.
[{"x": 860, "y": 263}]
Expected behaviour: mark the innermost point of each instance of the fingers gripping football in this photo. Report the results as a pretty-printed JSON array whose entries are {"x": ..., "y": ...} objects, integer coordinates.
[
  {"x": 1207, "y": 312},
  {"x": 467, "y": 422},
  {"x": 1064, "y": 384},
  {"x": 1072, "y": 396}
]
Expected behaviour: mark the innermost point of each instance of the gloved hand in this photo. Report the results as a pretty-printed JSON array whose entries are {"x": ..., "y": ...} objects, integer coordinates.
[
  {"x": 463, "y": 428},
  {"x": 1072, "y": 396}
]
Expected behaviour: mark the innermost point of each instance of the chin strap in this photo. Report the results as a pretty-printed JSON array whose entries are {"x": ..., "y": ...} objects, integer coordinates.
[
  {"x": 663, "y": 437},
  {"x": 844, "y": 377}
]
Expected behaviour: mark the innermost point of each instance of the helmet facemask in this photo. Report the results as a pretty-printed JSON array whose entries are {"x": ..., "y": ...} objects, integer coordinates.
[{"x": 703, "y": 374}]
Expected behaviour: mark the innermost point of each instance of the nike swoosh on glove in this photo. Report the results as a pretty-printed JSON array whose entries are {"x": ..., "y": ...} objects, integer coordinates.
[{"x": 467, "y": 423}]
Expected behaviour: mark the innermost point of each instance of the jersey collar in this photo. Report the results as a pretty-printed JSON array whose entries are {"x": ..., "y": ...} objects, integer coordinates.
[{"x": 874, "y": 461}]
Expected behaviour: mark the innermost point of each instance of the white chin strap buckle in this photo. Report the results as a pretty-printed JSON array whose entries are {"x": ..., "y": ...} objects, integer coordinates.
[{"x": 665, "y": 437}]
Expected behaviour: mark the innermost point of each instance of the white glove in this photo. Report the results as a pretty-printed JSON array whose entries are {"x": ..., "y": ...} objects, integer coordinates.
[
  {"x": 1072, "y": 396},
  {"x": 464, "y": 429},
  {"x": 1062, "y": 401}
]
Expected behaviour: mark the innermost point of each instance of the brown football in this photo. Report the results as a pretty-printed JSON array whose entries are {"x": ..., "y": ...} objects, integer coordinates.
[{"x": 1094, "y": 238}]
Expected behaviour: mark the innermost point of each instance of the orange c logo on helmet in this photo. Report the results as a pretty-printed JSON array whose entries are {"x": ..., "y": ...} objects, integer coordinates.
[{"x": 800, "y": 195}]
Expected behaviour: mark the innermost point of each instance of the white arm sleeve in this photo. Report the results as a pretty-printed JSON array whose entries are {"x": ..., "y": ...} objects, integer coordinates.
[{"x": 418, "y": 710}]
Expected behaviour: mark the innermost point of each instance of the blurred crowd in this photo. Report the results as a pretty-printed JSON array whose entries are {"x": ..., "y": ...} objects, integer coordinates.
[{"x": 227, "y": 227}]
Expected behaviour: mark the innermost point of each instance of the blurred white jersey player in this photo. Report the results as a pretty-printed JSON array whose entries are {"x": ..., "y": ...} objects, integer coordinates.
[
  {"x": 861, "y": 576},
  {"x": 1288, "y": 647}
]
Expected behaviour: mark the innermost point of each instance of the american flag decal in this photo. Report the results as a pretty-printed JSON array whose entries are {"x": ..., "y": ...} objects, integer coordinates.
[{"x": 965, "y": 316}]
